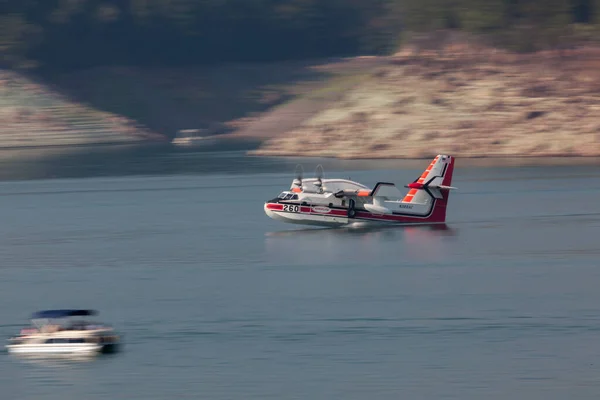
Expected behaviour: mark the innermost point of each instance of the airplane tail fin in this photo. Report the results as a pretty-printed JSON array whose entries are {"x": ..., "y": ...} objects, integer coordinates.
[{"x": 433, "y": 184}]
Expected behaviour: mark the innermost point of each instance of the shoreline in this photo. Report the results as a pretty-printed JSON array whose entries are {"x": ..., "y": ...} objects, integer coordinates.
[
  {"x": 242, "y": 145},
  {"x": 145, "y": 160},
  {"x": 474, "y": 161},
  {"x": 422, "y": 157}
]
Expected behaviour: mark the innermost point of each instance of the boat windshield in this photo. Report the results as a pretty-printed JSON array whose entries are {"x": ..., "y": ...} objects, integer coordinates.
[
  {"x": 63, "y": 324},
  {"x": 84, "y": 325}
]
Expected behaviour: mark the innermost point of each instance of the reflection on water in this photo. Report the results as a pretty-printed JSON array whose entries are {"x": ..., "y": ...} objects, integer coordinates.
[
  {"x": 67, "y": 361},
  {"x": 360, "y": 244},
  {"x": 389, "y": 231}
]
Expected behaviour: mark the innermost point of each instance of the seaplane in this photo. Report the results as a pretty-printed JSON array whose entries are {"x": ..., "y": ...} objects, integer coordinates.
[{"x": 342, "y": 202}]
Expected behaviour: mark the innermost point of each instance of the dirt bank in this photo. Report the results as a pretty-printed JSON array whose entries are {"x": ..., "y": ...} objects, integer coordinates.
[
  {"x": 238, "y": 102},
  {"x": 480, "y": 103},
  {"x": 36, "y": 115},
  {"x": 470, "y": 104}
]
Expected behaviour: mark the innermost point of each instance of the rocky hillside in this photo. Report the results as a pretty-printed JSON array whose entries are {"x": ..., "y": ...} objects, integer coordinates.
[
  {"x": 466, "y": 102},
  {"x": 35, "y": 115},
  {"x": 236, "y": 102}
]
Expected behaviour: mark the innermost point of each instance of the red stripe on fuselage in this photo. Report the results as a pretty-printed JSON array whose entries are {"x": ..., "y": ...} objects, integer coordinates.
[
  {"x": 304, "y": 210},
  {"x": 395, "y": 218}
]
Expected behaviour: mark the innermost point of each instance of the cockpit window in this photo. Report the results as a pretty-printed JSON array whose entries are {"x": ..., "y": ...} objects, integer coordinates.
[{"x": 287, "y": 196}]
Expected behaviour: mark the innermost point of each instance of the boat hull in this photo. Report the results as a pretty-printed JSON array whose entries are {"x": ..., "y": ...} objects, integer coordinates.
[{"x": 63, "y": 348}]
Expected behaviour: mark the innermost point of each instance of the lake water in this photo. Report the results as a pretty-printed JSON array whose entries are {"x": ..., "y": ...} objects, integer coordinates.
[{"x": 217, "y": 301}]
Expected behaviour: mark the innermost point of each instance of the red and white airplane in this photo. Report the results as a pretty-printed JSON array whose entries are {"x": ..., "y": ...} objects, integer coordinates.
[{"x": 339, "y": 202}]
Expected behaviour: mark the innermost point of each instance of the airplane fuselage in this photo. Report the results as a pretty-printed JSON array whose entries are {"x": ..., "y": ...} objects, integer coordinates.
[
  {"x": 337, "y": 215},
  {"x": 336, "y": 209},
  {"x": 338, "y": 202}
]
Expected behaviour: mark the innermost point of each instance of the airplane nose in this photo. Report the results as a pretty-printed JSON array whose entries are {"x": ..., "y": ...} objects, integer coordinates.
[{"x": 269, "y": 212}]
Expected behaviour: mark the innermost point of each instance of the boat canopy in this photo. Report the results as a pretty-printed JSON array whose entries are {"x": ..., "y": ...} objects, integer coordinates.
[{"x": 53, "y": 314}]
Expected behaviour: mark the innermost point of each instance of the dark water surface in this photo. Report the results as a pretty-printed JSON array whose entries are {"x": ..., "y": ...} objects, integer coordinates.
[{"x": 216, "y": 301}]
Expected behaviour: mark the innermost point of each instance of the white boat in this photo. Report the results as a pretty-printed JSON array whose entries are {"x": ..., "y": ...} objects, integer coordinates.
[
  {"x": 192, "y": 137},
  {"x": 60, "y": 332}
]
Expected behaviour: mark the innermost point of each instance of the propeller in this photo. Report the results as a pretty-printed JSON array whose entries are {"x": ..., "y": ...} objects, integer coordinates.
[
  {"x": 319, "y": 175},
  {"x": 297, "y": 182}
]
